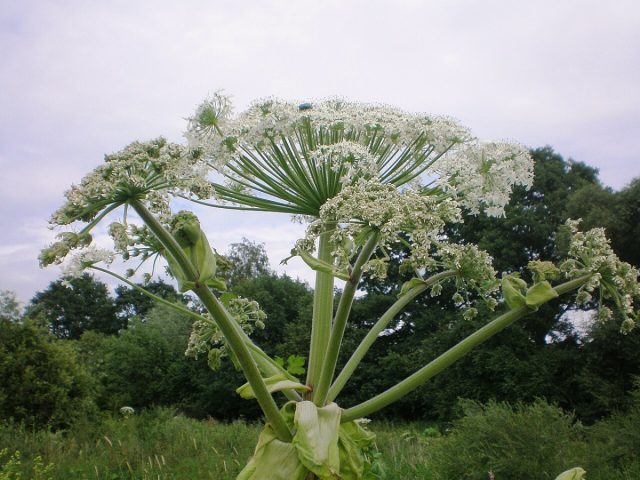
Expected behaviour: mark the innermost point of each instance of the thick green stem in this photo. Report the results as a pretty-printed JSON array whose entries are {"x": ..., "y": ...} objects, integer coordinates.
[
  {"x": 450, "y": 356},
  {"x": 265, "y": 362},
  {"x": 377, "y": 329},
  {"x": 322, "y": 313},
  {"x": 228, "y": 326},
  {"x": 340, "y": 320}
]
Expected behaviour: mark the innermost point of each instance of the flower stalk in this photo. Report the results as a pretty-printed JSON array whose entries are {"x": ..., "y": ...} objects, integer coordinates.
[
  {"x": 322, "y": 314},
  {"x": 340, "y": 320}
]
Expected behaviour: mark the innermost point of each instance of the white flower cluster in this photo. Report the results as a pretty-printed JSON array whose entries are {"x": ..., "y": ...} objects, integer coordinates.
[
  {"x": 358, "y": 141},
  {"x": 481, "y": 175},
  {"x": 77, "y": 264},
  {"x": 591, "y": 254},
  {"x": 371, "y": 206},
  {"x": 148, "y": 171},
  {"x": 269, "y": 119}
]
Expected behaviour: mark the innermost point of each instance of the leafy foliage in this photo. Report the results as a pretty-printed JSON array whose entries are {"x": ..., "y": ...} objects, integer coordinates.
[
  {"x": 41, "y": 382},
  {"x": 72, "y": 306}
]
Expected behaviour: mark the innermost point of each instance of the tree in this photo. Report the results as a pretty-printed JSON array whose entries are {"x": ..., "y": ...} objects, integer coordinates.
[
  {"x": 626, "y": 230},
  {"x": 9, "y": 306},
  {"x": 41, "y": 381},
  {"x": 246, "y": 260},
  {"x": 75, "y": 305},
  {"x": 130, "y": 301}
]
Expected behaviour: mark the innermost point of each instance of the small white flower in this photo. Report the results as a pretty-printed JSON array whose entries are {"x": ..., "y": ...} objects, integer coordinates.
[{"x": 84, "y": 259}]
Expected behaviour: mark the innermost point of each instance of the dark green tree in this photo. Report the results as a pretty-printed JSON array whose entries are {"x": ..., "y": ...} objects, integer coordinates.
[
  {"x": 130, "y": 302},
  {"x": 72, "y": 306},
  {"x": 41, "y": 381},
  {"x": 626, "y": 233}
]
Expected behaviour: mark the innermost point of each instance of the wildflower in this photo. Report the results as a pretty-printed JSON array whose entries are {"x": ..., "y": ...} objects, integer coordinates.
[
  {"x": 149, "y": 170},
  {"x": 127, "y": 411},
  {"x": 590, "y": 254},
  {"x": 84, "y": 259}
]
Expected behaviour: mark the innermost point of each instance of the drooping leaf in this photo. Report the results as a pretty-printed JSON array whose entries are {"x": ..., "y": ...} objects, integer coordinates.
[
  {"x": 351, "y": 442},
  {"x": 511, "y": 291},
  {"x": 275, "y": 383},
  {"x": 273, "y": 460},
  {"x": 540, "y": 293},
  {"x": 576, "y": 473}
]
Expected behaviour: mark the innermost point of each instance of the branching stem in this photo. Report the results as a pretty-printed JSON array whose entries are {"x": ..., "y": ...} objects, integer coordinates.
[
  {"x": 450, "y": 356},
  {"x": 378, "y": 328},
  {"x": 340, "y": 320}
]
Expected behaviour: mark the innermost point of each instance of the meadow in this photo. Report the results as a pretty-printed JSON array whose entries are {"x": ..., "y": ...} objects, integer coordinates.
[{"x": 494, "y": 440}]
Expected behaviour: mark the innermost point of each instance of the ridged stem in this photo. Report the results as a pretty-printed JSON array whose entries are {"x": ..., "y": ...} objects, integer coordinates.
[
  {"x": 340, "y": 320},
  {"x": 322, "y": 313}
]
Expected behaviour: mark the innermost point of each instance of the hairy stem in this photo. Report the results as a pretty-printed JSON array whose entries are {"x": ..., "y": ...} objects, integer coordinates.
[
  {"x": 228, "y": 326},
  {"x": 340, "y": 320},
  {"x": 322, "y": 313},
  {"x": 450, "y": 356},
  {"x": 377, "y": 329}
]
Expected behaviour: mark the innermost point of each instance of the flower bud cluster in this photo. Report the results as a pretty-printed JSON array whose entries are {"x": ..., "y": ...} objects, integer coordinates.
[
  {"x": 590, "y": 254},
  {"x": 206, "y": 337},
  {"x": 473, "y": 267},
  {"x": 57, "y": 251}
]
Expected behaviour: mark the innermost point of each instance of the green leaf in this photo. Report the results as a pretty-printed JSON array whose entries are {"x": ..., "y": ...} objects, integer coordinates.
[
  {"x": 408, "y": 285},
  {"x": 275, "y": 383},
  {"x": 316, "y": 438},
  {"x": 511, "y": 287},
  {"x": 216, "y": 283},
  {"x": 295, "y": 365},
  {"x": 273, "y": 460},
  {"x": 540, "y": 293},
  {"x": 576, "y": 473},
  {"x": 351, "y": 442}
]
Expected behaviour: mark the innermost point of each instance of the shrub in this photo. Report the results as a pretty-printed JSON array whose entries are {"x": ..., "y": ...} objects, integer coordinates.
[{"x": 536, "y": 441}]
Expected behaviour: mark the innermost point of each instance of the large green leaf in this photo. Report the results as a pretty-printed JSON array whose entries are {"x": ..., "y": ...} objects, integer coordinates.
[
  {"x": 351, "y": 442},
  {"x": 576, "y": 473},
  {"x": 273, "y": 460},
  {"x": 316, "y": 438}
]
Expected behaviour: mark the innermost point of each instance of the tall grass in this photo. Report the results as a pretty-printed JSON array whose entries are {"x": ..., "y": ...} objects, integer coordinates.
[{"x": 523, "y": 442}]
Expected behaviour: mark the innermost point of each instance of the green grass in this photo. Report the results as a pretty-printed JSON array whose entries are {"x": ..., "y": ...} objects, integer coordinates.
[{"x": 522, "y": 442}]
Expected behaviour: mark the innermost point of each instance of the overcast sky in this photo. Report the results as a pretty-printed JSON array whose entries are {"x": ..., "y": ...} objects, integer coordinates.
[{"x": 79, "y": 79}]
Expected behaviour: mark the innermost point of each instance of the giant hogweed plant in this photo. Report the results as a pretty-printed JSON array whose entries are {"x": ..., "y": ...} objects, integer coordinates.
[{"x": 367, "y": 180}]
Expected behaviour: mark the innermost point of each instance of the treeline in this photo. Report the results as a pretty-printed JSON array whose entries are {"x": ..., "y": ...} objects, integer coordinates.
[{"x": 77, "y": 350}]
